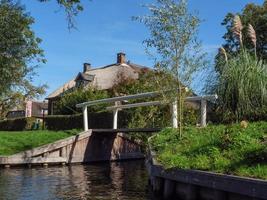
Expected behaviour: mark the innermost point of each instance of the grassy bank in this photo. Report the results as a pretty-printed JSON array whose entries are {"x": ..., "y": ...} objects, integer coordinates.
[
  {"x": 14, "y": 142},
  {"x": 223, "y": 149}
]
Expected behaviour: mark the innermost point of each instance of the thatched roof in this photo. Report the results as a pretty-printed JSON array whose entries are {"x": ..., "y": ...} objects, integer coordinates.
[{"x": 102, "y": 78}]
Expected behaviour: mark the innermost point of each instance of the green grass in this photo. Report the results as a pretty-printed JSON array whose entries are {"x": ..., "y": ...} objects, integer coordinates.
[
  {"x": 15, "y": 142},
  {"x": 223, "y": 149}
]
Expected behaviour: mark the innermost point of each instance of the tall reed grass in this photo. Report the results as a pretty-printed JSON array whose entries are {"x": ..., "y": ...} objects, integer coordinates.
[
  {"x": 242, "y": 80},
  {"x": 243, "y": 86}
]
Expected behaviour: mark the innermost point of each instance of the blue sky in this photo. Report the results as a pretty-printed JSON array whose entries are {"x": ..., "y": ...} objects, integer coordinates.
[{"x": 105, "y": 28}]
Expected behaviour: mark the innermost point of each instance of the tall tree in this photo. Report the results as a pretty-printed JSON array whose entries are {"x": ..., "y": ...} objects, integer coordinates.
[
  {"x": 174, "y": 46},
  {"x": 253, "y": 14},
  {"x": 19, "y": 47}
]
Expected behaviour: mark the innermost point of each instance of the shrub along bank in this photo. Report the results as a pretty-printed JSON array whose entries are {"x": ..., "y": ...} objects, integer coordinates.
[
  {"x": 15, "y": 142},
  {"x": 224, "y": 149},
  {"x": 19, "y": 124}
]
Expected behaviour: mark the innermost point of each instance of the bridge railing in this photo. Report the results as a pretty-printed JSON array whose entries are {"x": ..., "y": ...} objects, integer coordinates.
[{"x": 116, "y": 108}]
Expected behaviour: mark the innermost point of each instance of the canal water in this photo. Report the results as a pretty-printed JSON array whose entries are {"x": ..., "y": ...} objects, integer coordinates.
[{"x": 117, "y": 180}]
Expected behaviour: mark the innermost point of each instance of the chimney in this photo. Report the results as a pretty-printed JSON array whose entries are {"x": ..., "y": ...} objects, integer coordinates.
[
  {"x": 86, "y": 67},
  {"x": 121, "y": 58}
]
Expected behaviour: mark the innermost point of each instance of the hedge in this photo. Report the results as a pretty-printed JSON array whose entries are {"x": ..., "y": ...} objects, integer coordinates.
[
  {"x": 95, "y": 120},
  {"x": 18, "y": 124}
]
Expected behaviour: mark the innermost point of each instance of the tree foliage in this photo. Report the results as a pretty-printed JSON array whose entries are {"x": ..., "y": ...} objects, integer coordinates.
[
  {"x": 71, "y": 7},
  {"x": 253, "y": 14},
  {"x": 174, "y": 47},
  {"x": 19, "y": 47},
  {"x": 149, "y": 116},
  {"x": 67, "y": 103}
]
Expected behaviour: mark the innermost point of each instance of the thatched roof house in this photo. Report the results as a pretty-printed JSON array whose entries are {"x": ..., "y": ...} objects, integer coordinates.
[{"x": 102, "y": 78}]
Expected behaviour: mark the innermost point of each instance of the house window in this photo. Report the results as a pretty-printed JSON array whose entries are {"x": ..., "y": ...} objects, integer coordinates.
[{"x": 81, "y": 83}]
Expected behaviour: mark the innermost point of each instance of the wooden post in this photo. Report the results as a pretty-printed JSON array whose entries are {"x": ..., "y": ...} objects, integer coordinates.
[
  {"x": 157, "y": 184},
  {"x": 115, "y": 119},
  {"x": 186, "y": 191},
  {"x": 63, "y": 152},
  {"x": 169, "y": 189},
  {"x": 52, "y": 108},
  {"x": 85, "y": 118},
  {"x": 203, "y": 112},
  {"x": 174, "y": 114}
]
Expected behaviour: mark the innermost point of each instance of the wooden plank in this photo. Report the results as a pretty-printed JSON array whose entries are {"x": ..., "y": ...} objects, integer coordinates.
[
  {"x": 121, "y": 98},
  {"x": 154, "y": 103},
  {"x": 38, "y": 160},
  {"x": 127, "y": 130},
  {"x": 199, "y": 98},
  {"x": 134, "y": 105}
]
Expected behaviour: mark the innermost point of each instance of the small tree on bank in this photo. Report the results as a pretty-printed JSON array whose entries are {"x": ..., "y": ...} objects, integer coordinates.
[{"x": 174, "y": 47}]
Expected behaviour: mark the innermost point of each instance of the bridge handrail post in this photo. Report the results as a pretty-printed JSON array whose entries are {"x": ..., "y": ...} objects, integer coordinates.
[
  {"x": 174, "y": 114},
  {"x": 115, "y": 118},
  {"x": 85, "y": 118},
  {"x": 203, "y": 122}
]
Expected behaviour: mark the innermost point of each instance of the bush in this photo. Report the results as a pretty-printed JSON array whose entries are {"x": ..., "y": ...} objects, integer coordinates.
[
  {"x": 66, "y": 105},
  {"x": 64, "y": 122},
  {"x": 95, "y": 120},
  {"x": 19, "y": 124},
  {"x": 229, "y": 149},
  {"x": 151, "y": 116}
]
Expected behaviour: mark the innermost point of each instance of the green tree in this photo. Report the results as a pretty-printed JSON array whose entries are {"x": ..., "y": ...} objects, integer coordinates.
[
  {"x": 174, "y": 46},
  {"x": 256, "y": 16},
  {"x": 19, "y": 47}
]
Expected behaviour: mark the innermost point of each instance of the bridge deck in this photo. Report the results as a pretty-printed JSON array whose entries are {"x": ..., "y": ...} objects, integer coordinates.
[{"x": 127, "y": 130}]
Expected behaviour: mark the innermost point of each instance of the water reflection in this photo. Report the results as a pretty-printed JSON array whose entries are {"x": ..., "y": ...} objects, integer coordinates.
[{"x": 124, "y": 180}]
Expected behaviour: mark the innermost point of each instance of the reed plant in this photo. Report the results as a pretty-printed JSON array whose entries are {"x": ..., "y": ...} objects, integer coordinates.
[{"x": 242, "y": 81}]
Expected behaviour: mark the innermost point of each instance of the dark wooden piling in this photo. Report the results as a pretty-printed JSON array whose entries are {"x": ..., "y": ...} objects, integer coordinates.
[
  {"x": 157, "y": 184},
  {"x": 195, "y": 184},
  {"x": 169, "y": 189},
  {"x": 186, "y": 191}
]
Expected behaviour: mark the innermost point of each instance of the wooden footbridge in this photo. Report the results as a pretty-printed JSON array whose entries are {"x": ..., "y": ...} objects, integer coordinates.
[
  {"x": 94, "y": 145},
  {"x": 88, "y": 146},
  {"x": 118, "y": 106}
]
